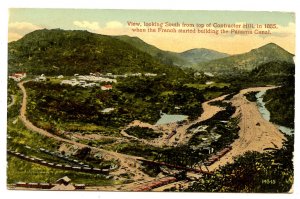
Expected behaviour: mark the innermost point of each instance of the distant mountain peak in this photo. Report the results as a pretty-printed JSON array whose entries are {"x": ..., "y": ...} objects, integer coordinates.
[
  {"x": 199, "y": 55},
  {"x": 271, "y": 46},
  {"x": 200, "y": 50},
  {"x": 248, "y": 61}
]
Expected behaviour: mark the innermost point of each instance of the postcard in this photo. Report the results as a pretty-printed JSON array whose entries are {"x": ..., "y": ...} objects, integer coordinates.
[{"x": 150, "y": 100}]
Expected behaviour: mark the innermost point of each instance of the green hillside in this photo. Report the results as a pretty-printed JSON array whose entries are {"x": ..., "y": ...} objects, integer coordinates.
[
  {"x": 247, "y": 61},
  {"x": 167, "y": 57},
  {"x": 184, "y": 59},
  {"x": 57, "y": 51},
  {"x": 274, "y": 68}
]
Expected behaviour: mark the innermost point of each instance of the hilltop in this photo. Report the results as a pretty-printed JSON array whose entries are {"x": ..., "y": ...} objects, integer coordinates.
[{"x": 67, "y": 52}]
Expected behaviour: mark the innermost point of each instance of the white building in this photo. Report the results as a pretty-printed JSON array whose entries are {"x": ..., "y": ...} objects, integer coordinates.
[{"x": 150, "y": 74}]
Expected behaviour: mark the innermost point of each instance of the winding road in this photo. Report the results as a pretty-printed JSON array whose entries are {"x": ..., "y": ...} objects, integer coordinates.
[{"x": 13, "y": 97}]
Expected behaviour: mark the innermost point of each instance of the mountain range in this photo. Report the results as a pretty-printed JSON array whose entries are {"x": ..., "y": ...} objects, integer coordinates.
[
  {"x": 186, "y": 58},
  {"x": 247, "y": 61},
  {"x": 59, "y": 51}
]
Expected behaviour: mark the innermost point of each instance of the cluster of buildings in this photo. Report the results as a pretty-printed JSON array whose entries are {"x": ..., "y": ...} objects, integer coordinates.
[
  {"x": 85, "y": 80},
  {"x": 94, "y": 78},
  {"x": 131, "y": 75},
  {"x": 75, "y": 82},
  {"x": 88, "y": 81},
  {"x": 41, "y": 78}
]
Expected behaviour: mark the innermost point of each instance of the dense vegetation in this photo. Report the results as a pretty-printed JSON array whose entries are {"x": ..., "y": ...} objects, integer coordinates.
[
  {"x": 136, "y": 148},
  {"x": 275, "y": 72},
  {"x": 253, "y": 172},
  {"x": 53, "y": 105},
  {"x": 55, "y": 52},
  {"x": 279, "y": 101},
  {"x": 281, "y": 104},
  {"x": 167, "y": 57},
  {"x": 13, "y": 92},
  {"x": 251, "y": 96},
  {"x": 143, "y": 132}
]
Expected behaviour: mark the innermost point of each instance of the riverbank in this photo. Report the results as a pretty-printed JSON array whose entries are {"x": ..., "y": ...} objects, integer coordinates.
[
  {"x": 280, "y": 102},
  {"x": 267, "y": 115}
]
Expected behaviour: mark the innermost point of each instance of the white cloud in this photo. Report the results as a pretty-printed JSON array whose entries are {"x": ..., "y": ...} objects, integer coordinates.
[
  {"x": 284, "y": 31},
  {"x": 87, "y": 25},
  {"x": 94, "y": 26},
  {"x": 110, "y": 27},
  {"x": 22, "y": 26},
  {"x": 114, "y": 25},
  {"x": 16, "y": 30}
]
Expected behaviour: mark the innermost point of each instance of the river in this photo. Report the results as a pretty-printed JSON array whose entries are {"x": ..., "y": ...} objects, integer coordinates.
[{"x": 266, "y": 114}]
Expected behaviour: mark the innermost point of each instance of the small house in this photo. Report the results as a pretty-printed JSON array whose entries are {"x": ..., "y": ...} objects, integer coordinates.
[
  {"x": 17, "y": 76},
  {"x": 64, "y": 180},
  {"x": 106, "y": 87}
]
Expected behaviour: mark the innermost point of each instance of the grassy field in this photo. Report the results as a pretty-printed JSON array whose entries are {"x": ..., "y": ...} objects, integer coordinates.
[
  {"x": 22, "y": 171},
  {"x": 135, "y": 148},
  {"x": 143, "y": 132},
  {"x": 212, "y": 94},
  {"x": 204, "y": 86},
  {"x": 211, "y": 91}
]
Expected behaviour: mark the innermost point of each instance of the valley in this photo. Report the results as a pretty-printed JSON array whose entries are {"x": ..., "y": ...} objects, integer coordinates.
[{"x": 114, "y": 113}]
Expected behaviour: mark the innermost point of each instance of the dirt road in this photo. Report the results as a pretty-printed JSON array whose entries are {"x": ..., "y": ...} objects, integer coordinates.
[{"x": 13, "y": 97}]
